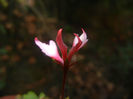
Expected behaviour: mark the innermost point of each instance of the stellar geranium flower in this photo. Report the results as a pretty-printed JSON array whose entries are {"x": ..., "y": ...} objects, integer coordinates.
[
  {"x": 64, "y": 60},
  {"x": 52, "y": 51}
]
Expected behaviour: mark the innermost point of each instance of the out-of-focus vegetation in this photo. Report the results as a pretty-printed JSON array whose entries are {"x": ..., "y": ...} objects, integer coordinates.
[
  {"x": 105, "y": 64},
  {"x": 32, "y": 95}
]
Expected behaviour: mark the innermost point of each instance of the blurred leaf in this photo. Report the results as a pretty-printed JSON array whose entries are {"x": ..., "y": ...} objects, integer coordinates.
[
  {"x": 18, "y": 97},
  {"x": 2, "y": 84},
  {"x": 2, "y": 29},
  {"x": 67, "y": 97},
  {"x": 4, "y": 3},
  {"x": 42, "y": 95},
  {"x": 3, "y": 51},
  {"x": 30, "y": 95}
]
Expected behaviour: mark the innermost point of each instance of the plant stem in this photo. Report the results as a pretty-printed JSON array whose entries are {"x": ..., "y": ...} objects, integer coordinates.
[{"x": 65, "y": 70}]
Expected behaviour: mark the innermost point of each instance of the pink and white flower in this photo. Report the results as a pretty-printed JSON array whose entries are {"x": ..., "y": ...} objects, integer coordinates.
[{"x": 52, "y": 51}]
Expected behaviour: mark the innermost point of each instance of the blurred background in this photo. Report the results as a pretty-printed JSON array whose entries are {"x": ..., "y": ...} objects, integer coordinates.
[{"x": 105, "y": 65}]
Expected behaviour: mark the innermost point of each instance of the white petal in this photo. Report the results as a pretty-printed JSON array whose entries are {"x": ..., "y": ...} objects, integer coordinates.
[
  {"x": 49, "y": 49},
  {"x": 75, "y": 41},
  {"x": 83, "y": 38}
]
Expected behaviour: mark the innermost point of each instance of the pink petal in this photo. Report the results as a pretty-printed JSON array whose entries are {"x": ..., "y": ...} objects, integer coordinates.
[
  {"x": 83, "y": 38},
  {"x": 49, "y": 49},
  {"x": 75, "y": 48},
  {"x": 62, "y": 46}
]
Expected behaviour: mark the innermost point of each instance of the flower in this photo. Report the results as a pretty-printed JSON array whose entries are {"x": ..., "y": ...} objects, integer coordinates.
[
  {"x": 52, "y": 51},
  {"x": 49, "y": 49}
]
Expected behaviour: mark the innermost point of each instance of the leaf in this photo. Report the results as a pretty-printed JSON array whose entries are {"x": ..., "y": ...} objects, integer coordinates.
[
  {"x": 19, "y": 96},
  {"x": 2, "y": 29},
  {"x": 3, "y": 51},
  {"x": 42, "y": 95},
  {"x": 67, "y": 97},
  {"x": 30, "y": 95},
  {"x": 2, "y": 84},
  {"x": 4, "y": 3}
]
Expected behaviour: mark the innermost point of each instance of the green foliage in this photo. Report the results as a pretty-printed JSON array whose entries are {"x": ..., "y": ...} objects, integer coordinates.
[
  {"x": 4, "y": 3},
  {"x": 67, "y": 98},
  {"x": 2, "y": 29},
  {"x": 2, "y": 83},
  {"x": 42, "y": 95},
  {"x": 32, "y": 95},
  {"x": 3, "y": 51}
]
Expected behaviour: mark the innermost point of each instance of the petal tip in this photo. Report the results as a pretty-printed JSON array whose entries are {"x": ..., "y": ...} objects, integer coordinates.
[
  {"x": 83, "y": 30},
  {"x": 75, "y": 34},
  {"x": 36, "y": 39},
  {"x": 60, "y": 30}
]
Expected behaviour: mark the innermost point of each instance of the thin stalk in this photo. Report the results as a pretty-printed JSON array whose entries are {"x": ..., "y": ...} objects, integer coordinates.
[{"x": 65, "y": 70}]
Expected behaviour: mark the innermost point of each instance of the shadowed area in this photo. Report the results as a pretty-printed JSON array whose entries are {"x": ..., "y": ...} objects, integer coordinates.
[{"x": 103, "y": 68}]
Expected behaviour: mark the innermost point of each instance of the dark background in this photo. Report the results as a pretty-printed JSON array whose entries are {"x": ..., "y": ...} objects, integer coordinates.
[{"x": 105, "y": 65}]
